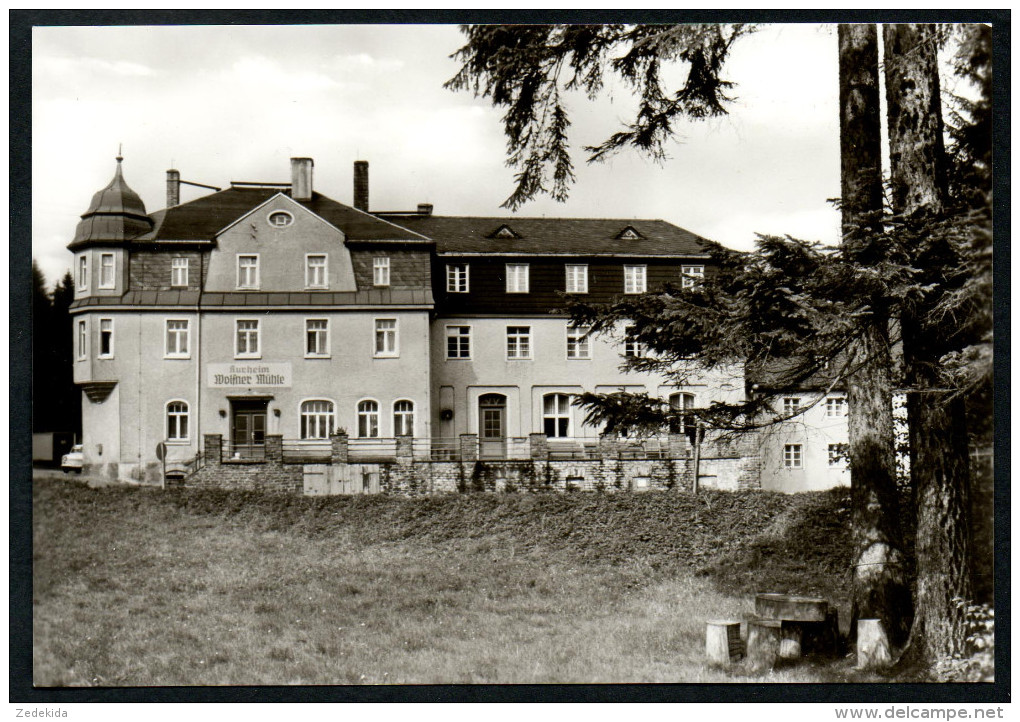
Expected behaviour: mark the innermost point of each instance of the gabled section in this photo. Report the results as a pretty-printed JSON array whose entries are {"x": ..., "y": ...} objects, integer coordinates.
[
  {"x": 504, "y": 232},
  {"x": 629, "y": 234},
  {"x": 285, "y": 200}
]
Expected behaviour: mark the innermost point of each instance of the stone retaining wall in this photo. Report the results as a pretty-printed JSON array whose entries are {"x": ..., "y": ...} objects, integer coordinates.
[{"x": 733, "y": 468}]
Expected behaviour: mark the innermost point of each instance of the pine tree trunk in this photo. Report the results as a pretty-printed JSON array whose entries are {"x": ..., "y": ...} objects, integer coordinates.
[
  {"x": 880, "y": 588},
  {"x": 938, "y": 441}
]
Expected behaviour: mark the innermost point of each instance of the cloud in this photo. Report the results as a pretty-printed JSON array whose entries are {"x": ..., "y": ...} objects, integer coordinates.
[
  {"x": 61, "y": 67},
  {"x": 364, "y": 61},
  {"x": 271, "y": 74}
]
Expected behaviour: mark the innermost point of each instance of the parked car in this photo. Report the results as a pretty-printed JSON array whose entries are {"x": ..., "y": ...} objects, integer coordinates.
[{"x": 74, "y": 460}]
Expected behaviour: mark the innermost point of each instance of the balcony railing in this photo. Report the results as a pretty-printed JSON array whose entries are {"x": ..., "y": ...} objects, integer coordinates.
[
  {"x": 369, "y": 450},
  {"x": 318, "y": 451},
  {"x": 243, "y": 452}
]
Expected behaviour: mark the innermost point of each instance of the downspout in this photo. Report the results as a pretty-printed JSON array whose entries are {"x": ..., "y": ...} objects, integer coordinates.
[
  {"x": 697, "y": 455},
  {"x": 198, "y": 362}
]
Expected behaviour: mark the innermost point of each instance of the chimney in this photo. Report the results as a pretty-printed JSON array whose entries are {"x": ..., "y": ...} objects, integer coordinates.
[
  {"x": 301, "y": 178},
  {"x": 361, "y": 185},
  {"x": 424, "y": 209},
  {"x": 173, "y": 188}
]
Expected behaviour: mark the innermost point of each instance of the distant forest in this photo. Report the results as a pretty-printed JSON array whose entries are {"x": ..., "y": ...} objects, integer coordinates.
[{"x": 56, "y": 401}]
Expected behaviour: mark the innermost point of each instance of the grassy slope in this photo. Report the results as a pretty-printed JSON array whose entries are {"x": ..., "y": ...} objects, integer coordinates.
[{"x": 136, "y": 587}]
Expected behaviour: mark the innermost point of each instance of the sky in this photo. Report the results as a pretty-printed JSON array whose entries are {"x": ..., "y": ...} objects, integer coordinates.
[{"x": 225, "y": 104}]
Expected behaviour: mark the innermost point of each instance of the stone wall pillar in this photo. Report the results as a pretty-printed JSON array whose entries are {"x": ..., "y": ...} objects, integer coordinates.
[
  {"x": 469, "y": 447},
  {"x": 679, "y": 446},
  {"x": 405, "y": 450},
  {"x": 212, "y": 448},
  {"x": 338, "y": 448},
  {"x": 608, "y": 447},
  {"x": 274, "y": 448},
  {"x": 539, "y": 444}
]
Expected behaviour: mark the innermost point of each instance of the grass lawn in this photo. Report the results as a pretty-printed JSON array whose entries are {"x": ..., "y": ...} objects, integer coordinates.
[{"x": 142, "y": 587}]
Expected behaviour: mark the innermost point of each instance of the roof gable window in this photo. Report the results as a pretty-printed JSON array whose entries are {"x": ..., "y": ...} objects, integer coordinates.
[
  {"x": 280, "y": 219},
  {"x": 629, "y": 234},
  {"x": 504, "y": 231}
]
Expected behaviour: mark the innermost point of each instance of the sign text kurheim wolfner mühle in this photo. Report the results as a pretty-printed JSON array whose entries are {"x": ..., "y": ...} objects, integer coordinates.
[{"x": 249, "y": 374}]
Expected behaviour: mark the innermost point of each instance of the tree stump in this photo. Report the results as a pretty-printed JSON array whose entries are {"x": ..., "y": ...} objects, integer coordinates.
[
  {"x": 763, "y": 641},
  {"x": 790, "y": 640},
  {"x": 722, "y": 641},
  {"x": 872, "y": 645}
]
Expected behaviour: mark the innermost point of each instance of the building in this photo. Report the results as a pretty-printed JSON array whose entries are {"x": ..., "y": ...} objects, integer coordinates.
[{"x": 271, "y": 316}]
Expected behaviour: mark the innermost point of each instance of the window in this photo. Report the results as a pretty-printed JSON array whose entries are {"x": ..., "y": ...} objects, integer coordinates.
[
  {"x": 634, "y": 279},
  {"x": 386, "y": 337},
  {"x": 837, "y": 454},
  {"x": 456, "y": 278},
  {"x": 176, "y": 339},
  {"x": 682, "y": 402},
  {"x": 83, "y": 272},
  {"x": 835, "y": 406},
  {"x": 177, "y": 334},
  {"x": 577, "y": 279},
  {"x": 458, "y": 342},
  {"x": 692, "y": 276},
  {"x": 403, "y": 418},
  {"x": 315, "y": 271},
  {"x": 792, "y": 456},
  {"x": 316, "y": 337},
  {"x": 556, "y": 415},
  {"x": 247, "y": 338},
  {"x": 106, "y": 338},
  {"x": 280, "y": 219},
  {"x": 317, "y": 419},
  {"x": 179, "y": 272},
  {"x": 83, "y": 337},
  {"x": 106, "y": 269},
  {"x": 578, "y": 346},
  {"x": 517, "y": 278},
  {"x": 177, "y": 421},
  {"x": 518, "y": 342},
  {"x": 381, "y": 271},
  {"x": 248, "y": 271},
  {"x": 632, "y": 348},
  {"x": 791, "y": 406},
  {"x": 368, "y": 419}
]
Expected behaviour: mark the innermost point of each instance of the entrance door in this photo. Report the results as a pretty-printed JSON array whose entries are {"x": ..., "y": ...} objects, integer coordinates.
[
  {"x": 492, "y": 426},
  {"x": 248, "y": 429}
]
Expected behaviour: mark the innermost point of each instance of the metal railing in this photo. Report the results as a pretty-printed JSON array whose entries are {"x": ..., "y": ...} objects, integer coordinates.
[
  {"x": 243, "y": 452},
  {"x": 437, "y": 449},
  {"x": 181, "y": 469}
]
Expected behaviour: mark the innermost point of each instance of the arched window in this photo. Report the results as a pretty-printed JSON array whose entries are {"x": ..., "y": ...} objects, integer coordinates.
[
  {"x": 403, "y": 418},
  {"x": 685, "y": 424},
  {"x": 368, "y": 419},
  {"x": 317, "y": 419},
  {"x": 556, "y": 415},
  {"x": 177, "y": 421}
]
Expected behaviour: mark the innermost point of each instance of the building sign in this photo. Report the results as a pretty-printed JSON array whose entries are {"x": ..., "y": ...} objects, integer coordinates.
[{"x": 247, "y": 375}]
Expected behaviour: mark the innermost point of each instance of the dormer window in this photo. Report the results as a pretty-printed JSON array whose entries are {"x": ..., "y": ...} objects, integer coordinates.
[
  {"x": 280, "y": 219},
  {"x": 629, "y": 234},
  {"x": 505, "y": 232}
]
